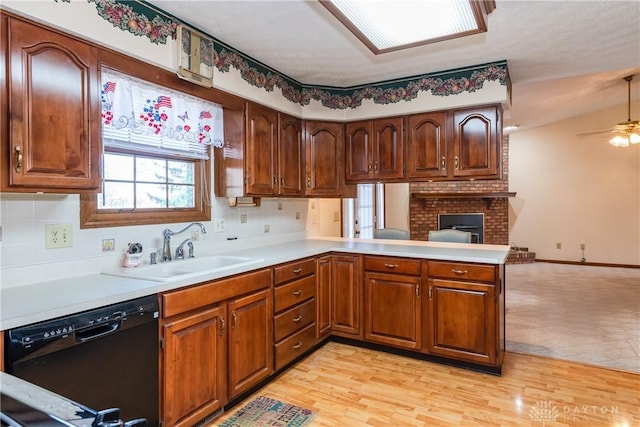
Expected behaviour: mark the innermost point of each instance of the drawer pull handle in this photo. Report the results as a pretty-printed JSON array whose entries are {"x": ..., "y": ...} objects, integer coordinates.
[
  {"x": 235, "y": 319},
  {"x": 298, "y": 292},
  {"x": 456, "y": 271},
  {"x": 222, "y": 326},
  {"x": 19, "y": 159},
  {"x": 297, "y": 318},
  {"x": 391, "y": 265},
  {"x": 297, "y": 271},
  {"x": 297, "y": 345}
]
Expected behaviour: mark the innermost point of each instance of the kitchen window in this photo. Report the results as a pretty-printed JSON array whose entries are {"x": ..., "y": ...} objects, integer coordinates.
[{"x": 155, "y": 162}]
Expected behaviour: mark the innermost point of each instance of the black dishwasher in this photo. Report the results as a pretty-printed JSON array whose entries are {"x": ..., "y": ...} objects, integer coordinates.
[{"x": 102, "y": 358}]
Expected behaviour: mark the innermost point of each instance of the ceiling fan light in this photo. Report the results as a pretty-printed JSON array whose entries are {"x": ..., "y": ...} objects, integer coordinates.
[
  {"x": 619, "y": 141},
  {"x": 634, "y": 137}
]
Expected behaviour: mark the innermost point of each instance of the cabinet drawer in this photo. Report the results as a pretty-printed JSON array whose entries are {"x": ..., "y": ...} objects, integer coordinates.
[
  {"x": 392, "y": 265},
  {"x": 183, "y": 300},
  {"x": 288, "y": 295},
  {"x": 294, "y": 319},
  {"x": 455, "y": 270},
  {"x": 294, "y": 270},
  {"x": 295, "y": 345}
]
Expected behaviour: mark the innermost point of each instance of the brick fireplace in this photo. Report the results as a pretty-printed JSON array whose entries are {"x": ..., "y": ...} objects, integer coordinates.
[{"x": 428, "y": 199}]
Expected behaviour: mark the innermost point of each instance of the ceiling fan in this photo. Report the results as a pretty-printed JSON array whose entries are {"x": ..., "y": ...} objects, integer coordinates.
[{"x": 625, "y": 133}]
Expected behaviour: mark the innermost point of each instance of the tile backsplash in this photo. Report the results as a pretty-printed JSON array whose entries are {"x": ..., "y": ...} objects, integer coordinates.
[{"x": 24, "y": 258}]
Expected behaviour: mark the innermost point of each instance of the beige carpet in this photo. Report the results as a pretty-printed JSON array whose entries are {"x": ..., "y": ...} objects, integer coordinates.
[{"x": 575, "y": 312}]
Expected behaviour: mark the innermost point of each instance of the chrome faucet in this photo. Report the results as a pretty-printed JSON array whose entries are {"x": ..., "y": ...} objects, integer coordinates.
[
  {"x": 166, "y": 235},
  {"x": 180, "y": 250}
]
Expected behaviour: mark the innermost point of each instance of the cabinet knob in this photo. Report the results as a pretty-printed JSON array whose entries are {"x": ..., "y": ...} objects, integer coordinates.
[
  {"x": 19, "y": 158},
  {"x": 456, "y": 162},
  {"x": 444, "y": 162},
  {"x": 308, "y": 182}
]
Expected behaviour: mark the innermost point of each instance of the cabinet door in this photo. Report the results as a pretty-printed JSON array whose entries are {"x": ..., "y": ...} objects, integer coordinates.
[
  {"x": 462, "y": 321},
  {"x": 324, "y": 143},
  {"x": 427, "y": 146},
  {"x": 323, "y": 296},
  {"x": 228, "y": 164},
  {"x": 260, "y": 154},
  {"x": 359, "y": 151},
  {"x": 250, "y": 341},
  {"x": 346, "y": 296},
  {"x": 476, "y": 143},
  {"x": 193, "y": 342},
  {"x": 388, "y": 143},
  {"x": 54, "y": 105},
  {"x": 392, "y": 310},
  {"x": 290, "y": 156}
]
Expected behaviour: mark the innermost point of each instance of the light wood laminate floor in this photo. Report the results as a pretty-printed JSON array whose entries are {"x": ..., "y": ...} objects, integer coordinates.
[
  {"x": 351, "y": 386},
  {"x": 583, "y": 313}
]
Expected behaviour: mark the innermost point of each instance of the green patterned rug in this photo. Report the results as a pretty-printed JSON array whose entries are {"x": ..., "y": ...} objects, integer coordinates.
[{"x": 263, "y": 411}]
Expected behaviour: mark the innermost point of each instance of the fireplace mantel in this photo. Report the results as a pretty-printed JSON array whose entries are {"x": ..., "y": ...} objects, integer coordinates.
[{"x": 488, "y": 196}]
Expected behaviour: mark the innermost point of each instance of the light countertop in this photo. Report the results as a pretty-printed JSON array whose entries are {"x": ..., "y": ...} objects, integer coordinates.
[{"x": 23, "y": 305}]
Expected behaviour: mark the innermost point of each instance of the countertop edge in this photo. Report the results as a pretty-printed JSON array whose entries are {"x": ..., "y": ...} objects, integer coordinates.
[{"x": 106, "y": 290}]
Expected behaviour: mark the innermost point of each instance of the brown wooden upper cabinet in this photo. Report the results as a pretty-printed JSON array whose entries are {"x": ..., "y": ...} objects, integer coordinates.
[
  {"x": 50, "y": 100},
  {"x": 477, "y": 142},
  {"x": 324, "y": 165},
  {"x": 273, "y": 156},
  {"x": 456, "y": 144},
  {"x": 427, "y": 146},
  {"x": 374, "y": 150}
]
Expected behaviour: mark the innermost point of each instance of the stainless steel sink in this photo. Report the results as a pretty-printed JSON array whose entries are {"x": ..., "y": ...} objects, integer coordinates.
[{"x": 182, "y": 269}]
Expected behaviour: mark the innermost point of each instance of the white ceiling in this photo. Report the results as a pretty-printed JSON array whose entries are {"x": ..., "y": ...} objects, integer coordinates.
[{"x": 565, "y": 58}]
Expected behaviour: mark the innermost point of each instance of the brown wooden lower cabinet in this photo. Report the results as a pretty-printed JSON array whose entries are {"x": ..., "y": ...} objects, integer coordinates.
[
  {"x": 393, "y": 310},
  {"x": 463, "y": 321},
  {"x": 250, "y": 341},
  {"x": 223, "y": 338},
  {"x": 194, "y": 366},
  {"x": 323, "y": 297},
  {"x": 217, "y": 343},
  {"x": 346, "y": 296}
]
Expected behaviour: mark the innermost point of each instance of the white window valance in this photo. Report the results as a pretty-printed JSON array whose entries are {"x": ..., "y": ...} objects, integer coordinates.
[{"x": 144, "y": 116}]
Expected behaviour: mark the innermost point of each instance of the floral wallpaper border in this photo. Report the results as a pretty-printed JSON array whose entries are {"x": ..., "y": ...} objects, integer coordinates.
[{"x": 142, "y": 19}]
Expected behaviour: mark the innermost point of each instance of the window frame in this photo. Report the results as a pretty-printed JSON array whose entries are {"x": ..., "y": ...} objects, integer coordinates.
[{"x": 90, "y": 216}]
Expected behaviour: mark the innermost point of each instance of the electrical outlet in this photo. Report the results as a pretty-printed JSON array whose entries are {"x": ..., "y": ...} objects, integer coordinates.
[
  {"x": 195, "y": 235},
  {"x": 108, "y": 245},
  {"x": 279, "y": 206},
  {"x": 243, "y": 219},
  {"x": 336, "y": 217},
  {"x": 582, "y": 246},
  {"x": 558, "y": 245},
  {"x": 297, "y": 215},
  {"x": 267, "y": 228},
  {"x": 218, "y": 225},
  {"x": 58, "y": 236}
]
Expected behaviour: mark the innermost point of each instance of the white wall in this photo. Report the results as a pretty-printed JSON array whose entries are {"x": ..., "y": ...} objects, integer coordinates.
[
  {"x": 396, "y": 206},
  {"x": 573, "y": 190}
]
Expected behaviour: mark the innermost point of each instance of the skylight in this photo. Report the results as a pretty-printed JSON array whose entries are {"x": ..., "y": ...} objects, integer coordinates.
[{"x": 386, "y": 25}]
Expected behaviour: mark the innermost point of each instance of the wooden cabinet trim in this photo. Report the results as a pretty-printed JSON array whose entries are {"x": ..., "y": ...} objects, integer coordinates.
[
  {"x": 394, "y": 265},
  {"x": 294, "y": 319},
  {"x": 295, "y": 292},
  {"x": 293, "y": 270},
  {"x": 201, "y": 295}
]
